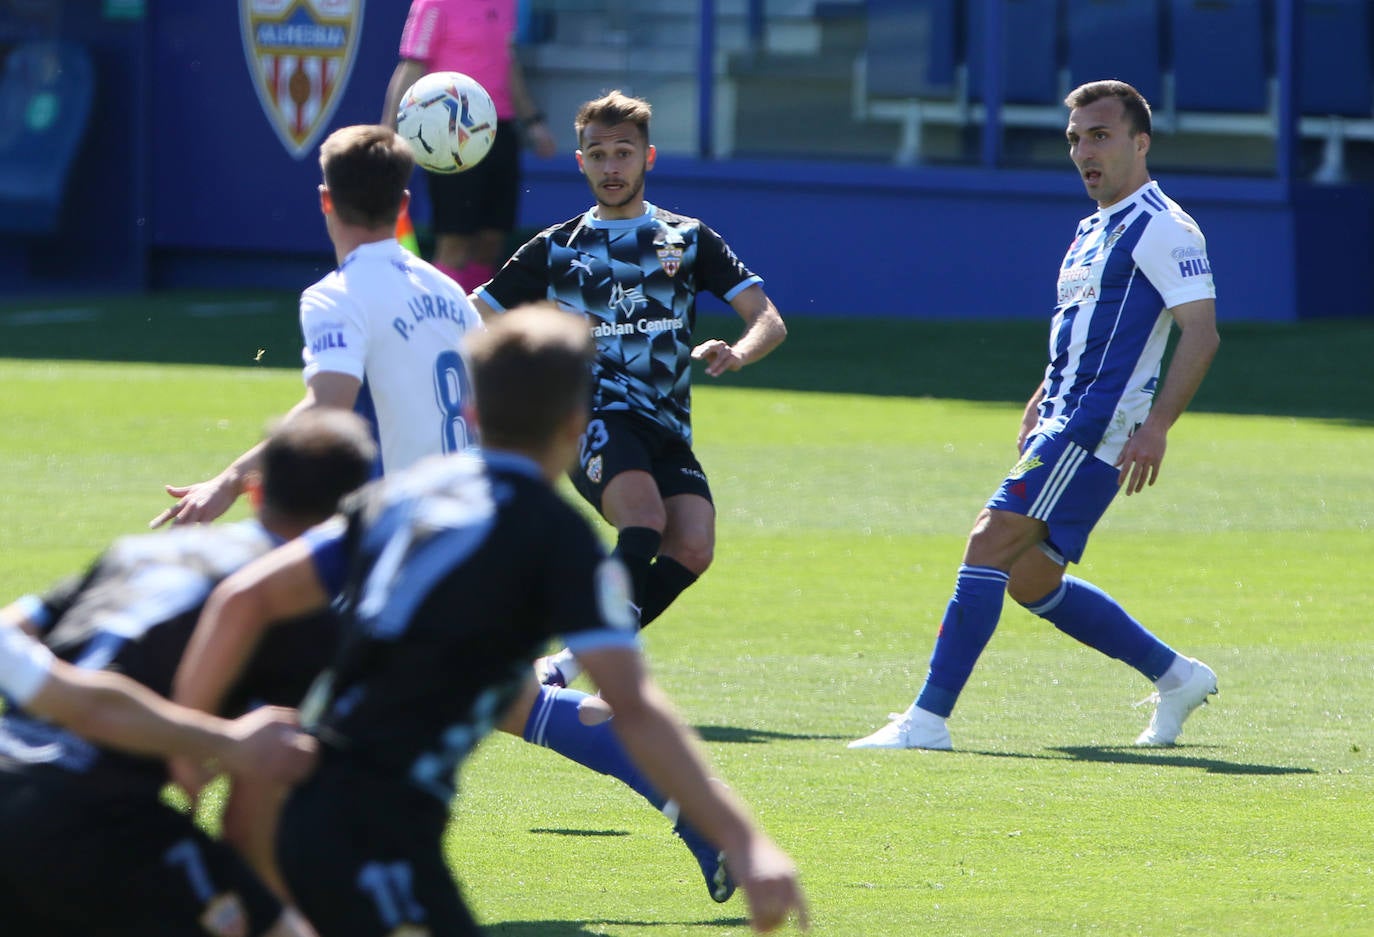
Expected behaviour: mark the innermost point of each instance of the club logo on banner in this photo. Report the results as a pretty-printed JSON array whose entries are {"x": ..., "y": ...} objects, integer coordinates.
[{"x": 300, "y": 53}]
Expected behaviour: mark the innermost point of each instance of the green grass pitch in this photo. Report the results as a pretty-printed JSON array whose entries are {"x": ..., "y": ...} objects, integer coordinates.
[{"x": 847, "y": 469}]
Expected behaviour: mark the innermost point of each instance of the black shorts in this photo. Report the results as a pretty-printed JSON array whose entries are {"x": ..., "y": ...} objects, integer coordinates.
[
  {"x": 119, "y": 868},
  {"x": 363, "y": 856},
  {"x": 619, "y": 441},
  {"x": 485, "y": 197}
]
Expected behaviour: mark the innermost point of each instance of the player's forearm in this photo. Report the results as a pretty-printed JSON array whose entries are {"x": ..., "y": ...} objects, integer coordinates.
[
  {"x": 1192, "y": 358},
  {"x": 114, "y": 711},
  {"x": 664, "y": 750},
  {"x": 224, "y": 639},
  {"x": 765, "y": 331}
]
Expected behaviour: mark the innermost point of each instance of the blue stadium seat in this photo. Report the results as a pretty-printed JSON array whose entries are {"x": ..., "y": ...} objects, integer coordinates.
[
  {"x": 1030, "y": 71},
  {"x": 1220, "y": 55},
  {"x": 1116, "y": 39},
  {"x": 911, "y": 49},
  {"x": 1334, "y": 71},
  {"x": 46, "y": 90}
]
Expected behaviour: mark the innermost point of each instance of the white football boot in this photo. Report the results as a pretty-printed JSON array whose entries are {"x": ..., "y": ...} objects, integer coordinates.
[
  {"x": 1172, "y": 707},
  {"x": 915, "y": 728}
]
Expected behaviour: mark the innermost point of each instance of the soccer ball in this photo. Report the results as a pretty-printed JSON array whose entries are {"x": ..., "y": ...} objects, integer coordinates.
[{"x": 449, "y": 121}]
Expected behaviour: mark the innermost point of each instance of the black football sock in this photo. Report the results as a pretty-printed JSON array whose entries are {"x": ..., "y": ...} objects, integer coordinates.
[
  {"x": 636, "y": 547},
  {"x": 667, "y": 579}
]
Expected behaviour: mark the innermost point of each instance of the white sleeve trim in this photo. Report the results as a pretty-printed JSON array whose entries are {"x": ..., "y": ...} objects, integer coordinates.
[{"x": 24, "y": 664}]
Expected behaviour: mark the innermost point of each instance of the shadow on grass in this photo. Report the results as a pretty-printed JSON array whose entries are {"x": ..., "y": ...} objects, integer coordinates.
[
  {"x": 564, "y": 831},
  {"x": 584, "y": 928},
  {"x": 1176, "y": 757},
  {"x": 746, "y": 736},
  {"x": 1173, "y": 757}
]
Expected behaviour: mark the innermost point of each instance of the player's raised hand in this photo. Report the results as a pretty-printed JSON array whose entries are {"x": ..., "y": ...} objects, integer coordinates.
[
  {"x": 771, "y": 885},
  {"x": 719, "y": 356},
  {"x": 199, "y": 503}
]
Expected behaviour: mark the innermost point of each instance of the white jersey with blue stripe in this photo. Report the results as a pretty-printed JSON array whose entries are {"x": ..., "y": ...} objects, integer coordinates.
[{"x": 1128, "y": 265}]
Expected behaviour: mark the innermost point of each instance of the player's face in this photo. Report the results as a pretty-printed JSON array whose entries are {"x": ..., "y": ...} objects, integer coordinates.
[
  {"x": 1110, "y": 161},
  {"x": 614, "y": 160}
]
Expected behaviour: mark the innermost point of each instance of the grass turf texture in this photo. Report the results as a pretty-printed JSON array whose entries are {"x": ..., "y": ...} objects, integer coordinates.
[{"x": 847, "y": 470}]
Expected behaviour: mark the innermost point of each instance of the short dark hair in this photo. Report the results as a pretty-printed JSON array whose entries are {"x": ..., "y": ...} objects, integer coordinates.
[
  {"x": 530, "y": 369},
  {"x": 312, "y": 459},
  {"x": 1136, "y": 108},
  {"x": 366, "y": 169},
  {"x": 614, "y": 107}
]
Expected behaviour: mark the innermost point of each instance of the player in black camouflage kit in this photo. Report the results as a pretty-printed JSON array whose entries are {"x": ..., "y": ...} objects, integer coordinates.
[
  {"x": 634, "y": 270},
  {"x": 89, "y": 848}
]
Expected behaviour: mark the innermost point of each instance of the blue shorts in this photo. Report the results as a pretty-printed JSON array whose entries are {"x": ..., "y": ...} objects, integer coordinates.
[{"x": 1061, "y": 483}]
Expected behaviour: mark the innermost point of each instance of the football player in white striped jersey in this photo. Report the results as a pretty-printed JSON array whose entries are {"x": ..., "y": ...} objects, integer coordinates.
[
  {"x": 382, "y": 331},
  {"x": 1097, "y": 423}
]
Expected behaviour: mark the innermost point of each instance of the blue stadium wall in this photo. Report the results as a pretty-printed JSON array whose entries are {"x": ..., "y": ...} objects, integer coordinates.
[{"x": 184, "y": 182}]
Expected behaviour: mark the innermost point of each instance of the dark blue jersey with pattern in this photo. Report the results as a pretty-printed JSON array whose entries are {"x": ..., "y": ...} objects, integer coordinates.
[
  {"x": 636, "y": 280},
  {"x": 452, "y": 576},
  {"x": 133, "y": 612}
]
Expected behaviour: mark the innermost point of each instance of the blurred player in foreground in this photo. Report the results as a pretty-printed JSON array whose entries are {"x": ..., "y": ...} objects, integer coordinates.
[
  {"x": 89, "y": 846},
  {"x": 1097, "y": 423},
  {"x": 416, "y": 686}
]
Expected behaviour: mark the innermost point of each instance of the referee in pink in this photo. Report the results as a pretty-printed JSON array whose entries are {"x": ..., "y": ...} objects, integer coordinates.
[{"x": 474, "y": 211}]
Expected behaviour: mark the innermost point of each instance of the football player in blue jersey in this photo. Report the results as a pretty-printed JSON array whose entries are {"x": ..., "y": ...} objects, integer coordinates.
[
  {"x": 415, "y": 686},
  {"x": 634, "y": 270},
  {"x": 1096, "y": 424}
]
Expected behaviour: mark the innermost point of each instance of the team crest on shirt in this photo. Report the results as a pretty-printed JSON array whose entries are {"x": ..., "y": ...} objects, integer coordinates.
[
  {"x": 1028, "y": 463},
  {"x": 594, "y": 470},
  {"x": 224, "y": 916},
  {"x": 1114, "y": 237},
  {"x": 670, "y": 258},
  {"x": 300, "y": 54}
]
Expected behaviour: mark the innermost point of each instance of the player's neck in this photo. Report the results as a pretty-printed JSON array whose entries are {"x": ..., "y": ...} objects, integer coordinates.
[
  {"x": 348, "y": 238},
  {"x": 285, "y": 526},
  {"x": 603, "y": 212}
]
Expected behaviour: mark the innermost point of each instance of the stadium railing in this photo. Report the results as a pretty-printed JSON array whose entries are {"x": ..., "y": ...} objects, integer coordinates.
[{"x": 1207, "y": 65}]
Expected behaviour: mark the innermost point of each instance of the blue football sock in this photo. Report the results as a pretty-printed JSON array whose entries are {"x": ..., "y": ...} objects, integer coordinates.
[
  {"x": 966, "y": 629},
  {"x": 1086, "y": 613},
  {"x": 554, "y": 723}
]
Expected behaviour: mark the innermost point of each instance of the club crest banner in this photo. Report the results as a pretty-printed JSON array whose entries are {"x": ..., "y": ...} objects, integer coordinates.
[{"x": 300, "y": 54}]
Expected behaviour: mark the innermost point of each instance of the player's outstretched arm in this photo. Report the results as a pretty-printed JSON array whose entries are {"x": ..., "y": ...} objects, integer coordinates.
[
  {"x": 667, "y": 753},
  {"x": 764, "y": 330},
  {"x": 205, "y": 501},
  {"x": 112, "y": 710}
]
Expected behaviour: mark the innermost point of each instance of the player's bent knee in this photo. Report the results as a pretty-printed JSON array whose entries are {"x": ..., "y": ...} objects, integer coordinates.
[{"x": 593, "y": 711}]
